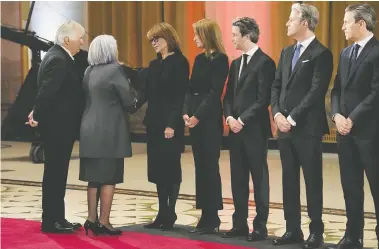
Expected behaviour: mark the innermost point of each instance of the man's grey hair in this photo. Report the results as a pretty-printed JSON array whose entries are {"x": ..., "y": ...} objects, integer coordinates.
[
  {"x": 363, "y": 12},
  {"x": 102, "y": 50},
  {"x": 308, "y": 13},
  {"x": 68, "y": 29}
]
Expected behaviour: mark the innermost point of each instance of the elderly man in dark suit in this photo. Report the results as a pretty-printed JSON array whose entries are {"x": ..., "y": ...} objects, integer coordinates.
[
  {"x": 298, "y": 105},
  {"x": 57, "y": 112},
  {"x": 355, "y": 110},
  {"x": 246, "y": 112}
]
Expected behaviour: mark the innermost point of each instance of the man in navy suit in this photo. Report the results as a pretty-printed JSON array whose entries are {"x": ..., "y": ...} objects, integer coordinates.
[
  {"x": 298, "y": 106},
  {"x": 355, "y": 110}
]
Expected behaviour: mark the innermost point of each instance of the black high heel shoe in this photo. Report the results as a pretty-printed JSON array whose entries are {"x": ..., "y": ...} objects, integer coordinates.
[
  {"x": 169, "y": 223},
  {"x": 208, "y": 230},
  {"x": 156, "y": 224},
  {"x": 104, "y": 230},
  {"x": 199, "y": 225},
  {"x": 93, "y": 226},
  {"x": 210, "y": 227}
]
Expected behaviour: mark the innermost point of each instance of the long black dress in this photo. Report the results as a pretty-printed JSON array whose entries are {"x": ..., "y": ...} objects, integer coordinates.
[
  {"x": 166, "y": 84},
  {"x": 203, "y": 100}
]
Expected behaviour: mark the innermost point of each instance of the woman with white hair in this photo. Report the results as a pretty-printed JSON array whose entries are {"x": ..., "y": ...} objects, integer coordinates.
[{"x": 104, "y": 133}]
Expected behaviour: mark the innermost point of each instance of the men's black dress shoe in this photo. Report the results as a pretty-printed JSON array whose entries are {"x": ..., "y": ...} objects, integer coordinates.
[
  {"x": 258, "y": 235},
  {"x": 74, "y": 225},
  {"x": 348, "y": 243},
  {"x": 56, "y": 227},
  {"x": 315, "y": 240},
  {"x": 236, "y": 232},
  {"x": 289, "y": 238}
]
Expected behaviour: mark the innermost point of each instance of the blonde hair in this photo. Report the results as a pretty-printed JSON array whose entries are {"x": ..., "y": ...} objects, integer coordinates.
[
  {"x": 210, "y": 35},
  {"x": 167, "y": 32},
  {"x": 308, "y": 13}
]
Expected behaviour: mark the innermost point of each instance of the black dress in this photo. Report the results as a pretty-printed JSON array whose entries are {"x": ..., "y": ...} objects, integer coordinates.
[
  {"x": 203, "y": 100},
  {"x": 166, "y": 84}
]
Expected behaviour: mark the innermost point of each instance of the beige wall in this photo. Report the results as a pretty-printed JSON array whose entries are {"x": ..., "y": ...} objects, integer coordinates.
[{"x": 10, "y": 58}]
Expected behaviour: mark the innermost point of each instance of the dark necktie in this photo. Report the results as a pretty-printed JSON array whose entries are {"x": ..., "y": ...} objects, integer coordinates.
[
  {"x": 296, "y": 55},
  {"x": 353, "y": 57},
  {"x": 244, "y": 63}
]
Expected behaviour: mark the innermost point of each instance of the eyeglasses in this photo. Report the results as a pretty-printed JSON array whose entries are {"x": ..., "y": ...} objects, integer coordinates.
[{"x": 155, "y": 39}]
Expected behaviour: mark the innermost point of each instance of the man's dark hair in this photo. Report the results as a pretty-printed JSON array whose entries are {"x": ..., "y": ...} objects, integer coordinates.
[{"x": 248, "y": 26}]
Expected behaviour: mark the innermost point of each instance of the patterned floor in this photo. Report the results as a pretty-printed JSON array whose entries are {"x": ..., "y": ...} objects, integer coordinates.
[
  {"x": 135, "y": 200},
  {"x": 23, "y": 200}
]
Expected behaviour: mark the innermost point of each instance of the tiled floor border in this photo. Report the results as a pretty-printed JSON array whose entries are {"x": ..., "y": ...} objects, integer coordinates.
[{"x": 331, "y": 211}]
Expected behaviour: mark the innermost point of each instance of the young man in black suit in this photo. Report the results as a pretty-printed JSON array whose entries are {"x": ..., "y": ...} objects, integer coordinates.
[
  {"x": 355, "y": 110},
  {"x": 298, "y": 106},
  {"x": 246, "y": 112},
  {"x": 57, "y": 113}
]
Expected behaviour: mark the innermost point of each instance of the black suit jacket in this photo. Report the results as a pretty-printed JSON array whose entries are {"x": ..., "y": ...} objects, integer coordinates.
[
  {"x": 165, "y": 83},
  {"x": 59, "y": 103},
  {"x": 356, "y": 95},
  {"x": 301, "y": 93},
  {"x": 248, "y": 96}
]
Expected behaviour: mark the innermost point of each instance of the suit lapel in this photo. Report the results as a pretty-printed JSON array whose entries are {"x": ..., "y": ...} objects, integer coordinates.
[
  {"x": 64, "y": 52},
  {"x": 237, "y": 70},
  {"x": 288, "y": 62},
  {"x": 307, "y": 53},
  {"x": 253, "y": 61},
  {"x": 345, "y": 66},
  {"x": 361, "y": 57}
]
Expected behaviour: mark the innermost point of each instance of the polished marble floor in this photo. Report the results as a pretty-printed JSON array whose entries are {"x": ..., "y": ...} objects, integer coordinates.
[{"x": 135, "y": 201}]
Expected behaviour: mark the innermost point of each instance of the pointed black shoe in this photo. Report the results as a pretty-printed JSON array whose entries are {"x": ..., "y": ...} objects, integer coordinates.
[
  {"x": 56, "y": 227},
  {"x": 210, "y": 227},
  {"x": 199, "y": 225},
  {"x": 104, "y": 230},
  {"x": 289, "y": 238},
  {"x": 74, "y": 225},
  {"x": 258, "y": 235},
  {"x": 347, "y": 243},
  {"x": 236, "y": 232},
  {"x": 315, "y": 240},
  {"x": 92, "y": 226}
]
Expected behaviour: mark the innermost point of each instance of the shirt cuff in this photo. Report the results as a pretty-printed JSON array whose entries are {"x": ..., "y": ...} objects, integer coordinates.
[
  {"x": 334, "y": 117},
  {"x": 33, "y": 118},
  {"x": 239, "y": 120},
  {"x": 277, "y": 114},
  {"x": 227, "y": 119},
  {"x": 292, "y": 122}
]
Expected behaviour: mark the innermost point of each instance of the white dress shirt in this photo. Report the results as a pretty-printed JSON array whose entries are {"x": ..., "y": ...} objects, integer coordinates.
[
  {"x": 363, "y": 43},
  {"x": 250, "y": 54},
  {"x": 304, "y": 45},
  {"x": 65, "y": 49}
]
